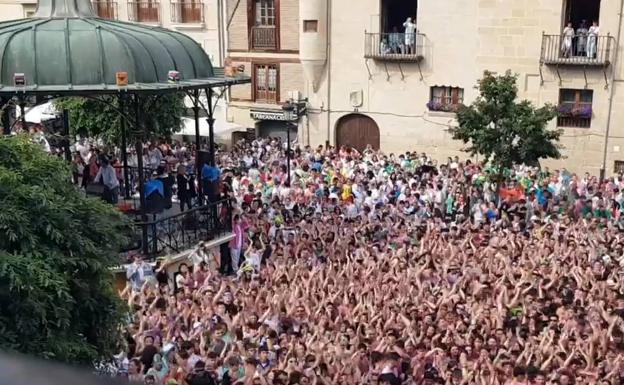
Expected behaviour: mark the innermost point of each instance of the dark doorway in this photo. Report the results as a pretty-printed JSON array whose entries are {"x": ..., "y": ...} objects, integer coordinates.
[
  {"x": 578, "y": 10},
  {"x": 395, "y": 12},
  {"x": 275, "y": 129},
  {"x": 357, "y": 131}
]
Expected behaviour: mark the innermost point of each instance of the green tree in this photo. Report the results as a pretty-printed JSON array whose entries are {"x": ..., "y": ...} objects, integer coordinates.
[
  {"x": 161, "y": 117},
  {"x": 503, "y": 130},
  {"x": 57, "y": 246}
]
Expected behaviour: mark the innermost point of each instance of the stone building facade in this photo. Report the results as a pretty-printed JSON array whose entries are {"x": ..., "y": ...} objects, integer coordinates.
[{"x": 375, "y": 85}]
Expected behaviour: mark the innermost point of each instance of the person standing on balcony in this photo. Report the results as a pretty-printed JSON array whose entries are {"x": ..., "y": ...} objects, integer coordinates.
[
  {"x": 395, "y": 41},
  {"x": 592, "y": 39},
  {"x": 581, "y": 43},
  {"x": 410, "y": 29},
  {"x": 566, "y": 42}
]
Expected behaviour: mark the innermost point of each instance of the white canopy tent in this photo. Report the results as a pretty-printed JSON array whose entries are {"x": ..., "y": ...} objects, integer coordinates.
[
  {"x": 222, "y": 129},
  {"x": 39, "y": 113}
]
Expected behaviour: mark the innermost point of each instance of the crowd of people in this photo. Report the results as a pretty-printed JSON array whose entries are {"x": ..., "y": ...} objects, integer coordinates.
[
  {"x": 582, "y": 42},
  {"x": 172, "y": 163},
  {"x": 376, "y": 269}
]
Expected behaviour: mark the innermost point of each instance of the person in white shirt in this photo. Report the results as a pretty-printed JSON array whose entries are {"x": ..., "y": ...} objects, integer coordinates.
[
  {"x": 592, "y": 40},
  {"x": 107, "y": 176},
  {"x": 138, "y": 273},
  {"x": 410, "y": 38},
  {"x": 581, "y": 33},
  {"x": 566, "y": 43},
  {"x": 154, "y": 156}
]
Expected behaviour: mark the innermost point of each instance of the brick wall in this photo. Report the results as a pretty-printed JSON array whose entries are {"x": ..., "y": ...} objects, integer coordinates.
[
  {"x": 289, "y": 25},
  {"x": 237, "y": 33}
]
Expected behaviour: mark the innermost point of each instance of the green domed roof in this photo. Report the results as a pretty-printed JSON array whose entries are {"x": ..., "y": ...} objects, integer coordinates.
[{"x": 66, "y": 47}]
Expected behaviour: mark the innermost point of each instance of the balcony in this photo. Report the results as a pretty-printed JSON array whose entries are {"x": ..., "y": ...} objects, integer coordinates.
[
  {"x": 105, "y": 9},
  {"x": 144, "y": 11},
  {"x": 263, "y": 38},
  {"x": 187, "y": 12},
  {"x": 398, "y": 47},
  {"x": 575, "y": 52},
  {"x": 171, "y": 234}
]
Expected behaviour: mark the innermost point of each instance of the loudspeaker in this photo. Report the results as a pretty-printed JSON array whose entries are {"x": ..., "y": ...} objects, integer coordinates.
[
  {"x": 211, "y": 190},
  {"x": 155, "y": 204}
]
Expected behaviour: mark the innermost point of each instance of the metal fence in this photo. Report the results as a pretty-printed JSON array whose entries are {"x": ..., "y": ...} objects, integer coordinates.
[
  {"x": 133, "y": 177},
  {"x": 577, "y": 50},
  {"x": 264, "y": 37},
  {"x": 176, "y": 233},
  {"x": 395, "y": 46}
]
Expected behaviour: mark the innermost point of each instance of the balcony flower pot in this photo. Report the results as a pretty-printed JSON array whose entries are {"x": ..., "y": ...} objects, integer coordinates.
[
  {"x": 568, "y": 111},
  {"x": 439, "y": 107},
  {"x": 564, "y": 111}
]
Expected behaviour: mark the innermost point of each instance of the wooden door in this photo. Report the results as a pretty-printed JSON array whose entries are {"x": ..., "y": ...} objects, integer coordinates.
[
  {"x": 357, "y": 131},
  {"x": 147, "y": 11},
  {"x": 105, "y": 10},
  {"x": 191, "y": 11}
]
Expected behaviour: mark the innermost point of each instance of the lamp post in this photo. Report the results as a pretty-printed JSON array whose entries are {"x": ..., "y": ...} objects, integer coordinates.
[{"x": 289, "y": 114}]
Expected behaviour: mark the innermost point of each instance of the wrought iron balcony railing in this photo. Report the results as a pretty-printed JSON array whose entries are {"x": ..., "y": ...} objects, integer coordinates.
[
  {"x": 144, "y": 11},
  {"x": 263, "y": 37},
  {"x": 183, "y": 12},
  {"x": 176, "y": 233},
  {"x": 579, "y": 50},
  {"x": 105, "y": 9},
  {"x": 395, "y": 46}
]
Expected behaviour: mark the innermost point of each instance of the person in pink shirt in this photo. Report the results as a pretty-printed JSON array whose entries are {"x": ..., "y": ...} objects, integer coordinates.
[{"x": 239, "y": 227}]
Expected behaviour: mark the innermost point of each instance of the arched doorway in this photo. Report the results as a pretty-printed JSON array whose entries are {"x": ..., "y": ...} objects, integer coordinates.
[{"x": 357, "y": 131}]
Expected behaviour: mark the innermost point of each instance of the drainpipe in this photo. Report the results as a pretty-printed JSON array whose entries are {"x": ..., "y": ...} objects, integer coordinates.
[
  {"x": 328, "y": 49},
  {"x": 220, "y": 35},
  {"x": 611, "y": 92}
]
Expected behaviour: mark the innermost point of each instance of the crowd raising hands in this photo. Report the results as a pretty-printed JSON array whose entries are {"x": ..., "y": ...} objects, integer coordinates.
[{"x": 382, "y": 269}]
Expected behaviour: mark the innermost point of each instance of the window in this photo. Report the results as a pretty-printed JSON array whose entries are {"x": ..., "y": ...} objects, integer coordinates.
[
  {"x": 265, "y": 83},
  {"x": 263, "y": 25},
  {"x": 446, "y": 99},
  {"x": 395, "y": 12},
  {"x": 145, "y": 11},
  {"x": 106, "y": 9},
  {"x": 310, "y": 26},
  {"x": 265, "y": 12},
  {"x": 29, "y": 10},
  {"x": 577, "y": 11},
  {"x": 187, "y": 11},
  {"x": 575, "y": 108},
  {"x": 618, "y": 166}
]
